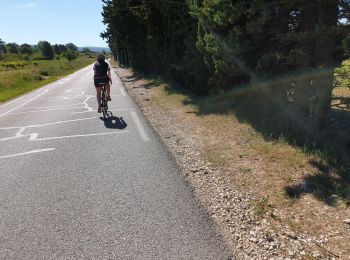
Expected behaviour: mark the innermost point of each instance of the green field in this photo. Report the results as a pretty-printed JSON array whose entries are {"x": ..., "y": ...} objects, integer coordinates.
[{"x": 18, "y": 77}]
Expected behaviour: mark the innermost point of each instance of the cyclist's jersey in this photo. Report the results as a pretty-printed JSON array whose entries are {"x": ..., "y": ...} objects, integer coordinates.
[{"x": 101, "y": 68}]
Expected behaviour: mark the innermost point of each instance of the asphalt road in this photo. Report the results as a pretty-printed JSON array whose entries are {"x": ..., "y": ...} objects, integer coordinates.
[{"x": 75, "y": 187}]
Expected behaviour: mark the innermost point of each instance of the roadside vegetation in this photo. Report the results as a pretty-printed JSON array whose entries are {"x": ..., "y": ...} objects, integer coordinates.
[
  {"x": 299, "y": 182},
  {"x": 265, "y": 87},
  {"x": 25, "y": 67},
  {"x": 278, "y": 66}
]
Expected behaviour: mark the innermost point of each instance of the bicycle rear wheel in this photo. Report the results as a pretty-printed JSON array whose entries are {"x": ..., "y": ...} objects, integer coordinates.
[{"x": 104, "y": 105}]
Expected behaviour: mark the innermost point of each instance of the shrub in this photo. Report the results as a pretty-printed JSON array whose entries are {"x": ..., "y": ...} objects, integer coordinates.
[
  {"x": 70, "y": 55},
  {"x": 44, "y": 73}
]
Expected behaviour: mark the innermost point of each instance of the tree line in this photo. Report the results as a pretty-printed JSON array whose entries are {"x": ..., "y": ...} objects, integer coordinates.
[
  {"x": 211, "y": 46},
  {"x": 43, "y": 50}
]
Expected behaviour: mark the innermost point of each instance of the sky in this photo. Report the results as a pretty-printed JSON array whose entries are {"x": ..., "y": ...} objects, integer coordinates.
[{"x": 55, "y": 21}]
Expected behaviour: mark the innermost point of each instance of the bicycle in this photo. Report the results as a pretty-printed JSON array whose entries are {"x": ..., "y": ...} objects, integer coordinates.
[{"x": 104, "y": 101}]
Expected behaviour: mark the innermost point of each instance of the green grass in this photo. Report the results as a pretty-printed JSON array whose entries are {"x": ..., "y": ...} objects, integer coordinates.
[{"x": 15, "y": 82}]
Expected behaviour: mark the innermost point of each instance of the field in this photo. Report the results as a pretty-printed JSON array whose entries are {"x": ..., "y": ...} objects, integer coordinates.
[{"x": 18, "y": 77}]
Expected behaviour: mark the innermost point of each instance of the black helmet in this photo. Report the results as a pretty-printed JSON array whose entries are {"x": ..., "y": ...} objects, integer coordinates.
[{"x": 101, "y": 57}]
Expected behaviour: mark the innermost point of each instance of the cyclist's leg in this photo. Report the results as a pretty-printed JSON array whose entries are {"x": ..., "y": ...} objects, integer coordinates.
[
  {"x": 108, "y": 87},
  {"x": 98, "y": 97}
]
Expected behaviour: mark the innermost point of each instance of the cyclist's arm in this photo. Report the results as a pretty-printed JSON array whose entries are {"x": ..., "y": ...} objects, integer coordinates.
[{"x": 109, "y": 72}]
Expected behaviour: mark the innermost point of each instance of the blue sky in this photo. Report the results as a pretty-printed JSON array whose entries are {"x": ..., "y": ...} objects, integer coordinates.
[{"x": 56, "y": 21}]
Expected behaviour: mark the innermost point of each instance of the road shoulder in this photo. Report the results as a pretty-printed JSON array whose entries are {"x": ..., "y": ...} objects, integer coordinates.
[{"x": 234, "y": 209}]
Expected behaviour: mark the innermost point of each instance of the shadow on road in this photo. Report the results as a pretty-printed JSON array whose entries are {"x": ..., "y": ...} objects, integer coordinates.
[{"x": 114, "y": 122}]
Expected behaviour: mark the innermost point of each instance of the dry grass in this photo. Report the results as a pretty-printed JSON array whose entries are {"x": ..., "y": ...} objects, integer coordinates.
[{"x": 264, "y": 166}]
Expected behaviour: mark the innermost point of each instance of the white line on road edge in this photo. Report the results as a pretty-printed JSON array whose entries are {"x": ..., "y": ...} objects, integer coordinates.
[
  {"x": 140, "y": 128},
  {"x": 122, "y": 90},
  {"x": 23, "y": 104},
  {"x": 13, "y": 101},
  {"x": 30, "y": 152}
]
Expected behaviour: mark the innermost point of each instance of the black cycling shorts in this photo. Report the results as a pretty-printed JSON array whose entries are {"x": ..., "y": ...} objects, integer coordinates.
[{"x": 99, "y": 81}]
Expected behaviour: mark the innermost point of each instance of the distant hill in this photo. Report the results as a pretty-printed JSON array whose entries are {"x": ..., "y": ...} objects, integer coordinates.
[{"x": 95, "y": 49}]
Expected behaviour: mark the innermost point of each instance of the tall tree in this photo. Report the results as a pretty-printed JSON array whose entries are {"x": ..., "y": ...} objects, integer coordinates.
[
  {"x": 46, "y": 50},
  {"x": 25, "y": 49},
  {"x": 71, "y": 46},
  {"x": 12, "y": 48},
  {"x": 2, "y": 47},
  {"x": 59, "y": 48}
]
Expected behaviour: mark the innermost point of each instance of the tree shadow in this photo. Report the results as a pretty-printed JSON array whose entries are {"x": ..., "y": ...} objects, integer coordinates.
[{"x": 274, "y": 114}]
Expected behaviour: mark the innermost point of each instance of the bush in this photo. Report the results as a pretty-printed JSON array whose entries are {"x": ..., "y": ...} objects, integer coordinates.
[
  {"x": 38, "y": 57},
  {"x": 44, "y": 73},
  {"x": 70, "y": 55},
  {"x": 342, "y": 75}
]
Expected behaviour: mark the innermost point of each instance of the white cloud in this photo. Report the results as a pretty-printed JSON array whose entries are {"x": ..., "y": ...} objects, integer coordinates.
[{"x": 26, "y": 6}]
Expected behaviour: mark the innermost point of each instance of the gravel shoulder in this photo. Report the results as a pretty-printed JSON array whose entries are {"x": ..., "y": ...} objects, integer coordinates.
[{"x": 250, "y": 224}]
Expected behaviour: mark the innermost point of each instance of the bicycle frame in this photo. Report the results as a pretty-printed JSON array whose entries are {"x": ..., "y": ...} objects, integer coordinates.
[{"x": 104, "y": 100}]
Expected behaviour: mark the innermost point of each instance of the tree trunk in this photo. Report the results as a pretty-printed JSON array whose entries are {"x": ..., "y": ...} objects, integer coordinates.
[{"x": 324, "y": 57}]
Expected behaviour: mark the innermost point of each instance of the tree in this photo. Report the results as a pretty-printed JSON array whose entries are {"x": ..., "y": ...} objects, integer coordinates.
[
  {"x": 86, "y": 50},
  {"x": 59, "y": 48},
  {"x": 2, "y": 47},
  {"x": 12, "y": 48},
  {"x": 70, "y": 54},
  {"x": 71, "y": 46},
  {"x": 46, "y": 50},
  {"x": 224, "y": 44},
  {"x": 26, "y": 49}
]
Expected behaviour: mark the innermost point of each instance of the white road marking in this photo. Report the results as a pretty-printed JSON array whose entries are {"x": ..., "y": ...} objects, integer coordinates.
[
  {"x": 23, "y": 104},
  {"x": 140, "y": 128},
  {"x": 71, "y": 105},
  {"x": 45, "y": 110},
  {"x": 30, "y": 152},
  {"x": 48, "y": 124},
  {"x": 63, "y": 107},
  {"x": 34, "y": 138},
  {"x": 74, "y": 113},
  {"x": 122, "y": 90},
  {"x": 125, "y": 109},
  {"x": 13, "y": 101}
]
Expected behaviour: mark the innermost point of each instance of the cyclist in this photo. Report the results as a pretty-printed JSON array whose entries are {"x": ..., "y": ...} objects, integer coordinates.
[{"x": 102, "y": 75}]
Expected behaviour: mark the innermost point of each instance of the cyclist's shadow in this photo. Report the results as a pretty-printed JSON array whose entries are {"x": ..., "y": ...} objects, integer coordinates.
[{"x": 114, "y": 122}]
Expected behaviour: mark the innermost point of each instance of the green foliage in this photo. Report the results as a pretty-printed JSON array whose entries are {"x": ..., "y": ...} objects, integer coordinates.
[
  {"x": 25, "y": 49},
  {"x": 14, "y": 64},
  {"x": 12, "y": 47},
  {"x": 70, "y": 54},
  {"x": 155, "y": 37},
  {"x": 46, "y": 50},
  {"x": 71, "y": 46},
  {"x": 2, "y": 49},
  {"x": 23, "y": 76},
  {"x": 86, "y": 51},
  {"x": 346, "y": 45},
  {"x": 216, "y": 45},
  {"x": 59, "y": 48},
  {"x": 342, "y": 75}
]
